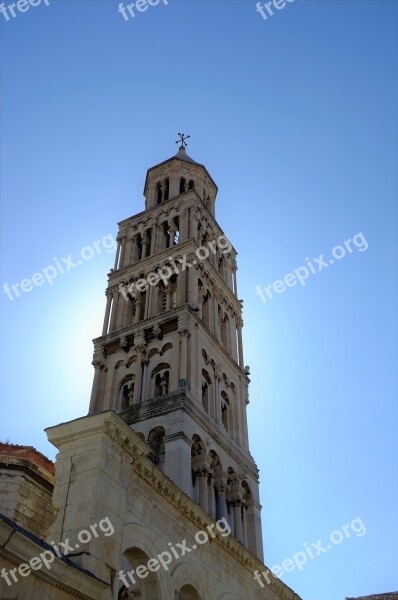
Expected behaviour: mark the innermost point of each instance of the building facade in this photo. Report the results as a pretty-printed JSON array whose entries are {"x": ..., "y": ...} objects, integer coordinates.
[{"x": 163, "y": 456}]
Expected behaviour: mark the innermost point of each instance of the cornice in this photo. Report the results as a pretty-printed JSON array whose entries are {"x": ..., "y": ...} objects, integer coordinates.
[
  {"x": 131, "y": 329},
  {"x": 149, "y": 260},
  {"x": 166, "y": 316}
]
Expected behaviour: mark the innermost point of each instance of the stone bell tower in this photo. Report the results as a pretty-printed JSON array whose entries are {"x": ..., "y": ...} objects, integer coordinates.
[{"x": 170, "y": 358}]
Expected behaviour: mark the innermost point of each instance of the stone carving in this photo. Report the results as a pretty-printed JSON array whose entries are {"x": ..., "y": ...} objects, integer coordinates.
[
  {"x": 164, "y": 385},
  {"x": 157, "y": 332}
]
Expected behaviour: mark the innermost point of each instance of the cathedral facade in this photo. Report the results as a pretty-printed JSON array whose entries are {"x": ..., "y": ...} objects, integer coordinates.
[{"x": 155, "y": 490}]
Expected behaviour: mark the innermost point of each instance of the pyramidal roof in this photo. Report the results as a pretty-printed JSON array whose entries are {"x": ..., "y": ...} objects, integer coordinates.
[{"x": 182, "y": 155}]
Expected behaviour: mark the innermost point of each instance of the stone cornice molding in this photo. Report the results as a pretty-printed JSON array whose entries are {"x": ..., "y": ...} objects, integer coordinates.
[
  {"x": 29, "y": 468},
  {"x": 136, "y": 327}
]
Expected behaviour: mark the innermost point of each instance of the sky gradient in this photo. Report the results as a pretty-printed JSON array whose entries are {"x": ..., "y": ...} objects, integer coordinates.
[{"x": 295, "y": 118}]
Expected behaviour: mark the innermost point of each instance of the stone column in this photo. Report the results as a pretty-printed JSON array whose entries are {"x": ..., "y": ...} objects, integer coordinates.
[
  {"x": 140, "y": 349},
  {"x": 192, "y": 225},
  {"x": 217, "y": 398},
  {"x": 122, "y": 252},
  {"x": 211, "y": 314},
  {"x": 184, "y": 226},
  {"x": 115, "y": 304},
  {"x": 183, "y": 382},
  {"x": 134, "y": 256},
  {"x": 95, "y": 401},
  {"x": 154, "y": 299},
  {"x": 153, "y": 239},
  {"x": 144, "y": 247},
  {"x": 117, "y": 255},
  {"x": 234, "y": 269},
  {"x": 147, "y": 305},
  {"x": 221, "y": 487},
  {"x": 203, "y": 475},
  {"x": 227, "y": 318},
  {"x": 145, "y": 383},
  {"x": 107, "y": 313},
  {"x": 244, "y": 528},
  {"x": 173, "y": 231},
  {"x": 158, "y": 238},
  {"x": 201, "y": 464},
  {"x": 233, "y": 337},
  {"x": 239, "y": 324},
  {"x": 192, "y": 283},
  {"x": 122, "y": 312},
  {"x": 128, "y": 251},
  {"x": 149, "y": 293},
  {"x": 182, "y": 288},
  {"x": 138, "y": 301},
  {"x": 237, "y": 506},
  {"x": 216, "y": 300}
]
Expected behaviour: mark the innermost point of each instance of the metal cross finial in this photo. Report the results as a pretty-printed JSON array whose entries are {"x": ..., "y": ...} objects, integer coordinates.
[{"x": 182, "y": 139}]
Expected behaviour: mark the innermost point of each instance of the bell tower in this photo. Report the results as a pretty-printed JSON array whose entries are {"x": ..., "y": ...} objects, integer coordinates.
[{"x": 170, "y": 357}]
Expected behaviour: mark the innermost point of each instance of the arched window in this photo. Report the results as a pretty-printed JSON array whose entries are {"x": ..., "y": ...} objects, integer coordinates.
[
  {"x": 175, "y": 231},
  {"x": 206, "y": 309},
  {"x": 225, "y": 409},
  {"x": 147, "y": 242},
  {"x": 224, "y": 324},
  {"x": 139, "y": 246},
  {"x": 182, "y": 185},
  {"x": 188, "y": 592},
  {"x": 173, "y": 291},
  {"x": 142, "y": 303},
  {"x": 167, "y": 189},
  {"x": 191, "y": 185},
  {"x": 206, "y": 382},
  {"x": 217, "y": 500},
  {"x": 147, "y": 587},
  {"x": 126, "y": 393},
  {"x": 156, "y": 443},
  {"x": 159, "y": 193},
  {"x": 161, "y": 383},
  {"x": 198, "y": 452},
  {"x": 166, "y": 235}
]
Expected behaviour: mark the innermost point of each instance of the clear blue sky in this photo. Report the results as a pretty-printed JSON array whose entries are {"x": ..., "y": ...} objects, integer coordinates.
[{"x": 295, "y": 118}]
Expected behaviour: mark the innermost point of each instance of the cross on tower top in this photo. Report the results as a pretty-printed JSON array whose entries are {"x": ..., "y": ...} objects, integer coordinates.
[{"x": 182, "y": 139}]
